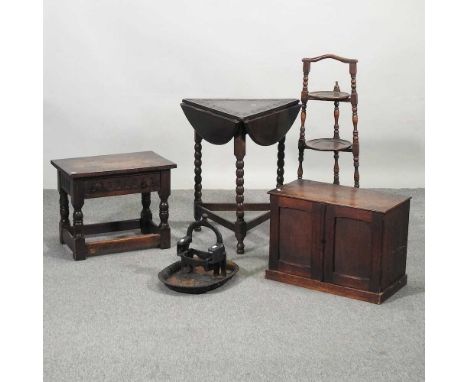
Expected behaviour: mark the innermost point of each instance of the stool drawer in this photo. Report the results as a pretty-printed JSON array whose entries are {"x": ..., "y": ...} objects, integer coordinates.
[{"x": 121, "y": 185}]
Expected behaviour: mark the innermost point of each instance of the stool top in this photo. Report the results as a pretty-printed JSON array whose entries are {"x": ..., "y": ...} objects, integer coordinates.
[
  {"x": 312, "y": 191},
  {"x": 219, "y": 120},
  {"x": 128, "y": 163}
]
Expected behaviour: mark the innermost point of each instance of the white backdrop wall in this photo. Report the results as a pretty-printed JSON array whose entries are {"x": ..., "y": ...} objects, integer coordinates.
[{"x": 116, "y": 71}]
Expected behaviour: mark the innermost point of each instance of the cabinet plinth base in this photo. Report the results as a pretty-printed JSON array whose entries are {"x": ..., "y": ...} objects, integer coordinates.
[{"x": 375, "y": 298}]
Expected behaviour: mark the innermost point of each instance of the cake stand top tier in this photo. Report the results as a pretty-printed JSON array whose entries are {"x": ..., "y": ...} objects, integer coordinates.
[{"x": 217, "y": 121}]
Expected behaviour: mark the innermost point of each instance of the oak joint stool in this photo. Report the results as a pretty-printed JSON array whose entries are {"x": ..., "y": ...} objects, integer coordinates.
[{"x": 111, "y": 175}]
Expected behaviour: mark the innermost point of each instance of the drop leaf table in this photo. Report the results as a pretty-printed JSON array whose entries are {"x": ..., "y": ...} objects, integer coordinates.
[{"x": 218, "y": 121}]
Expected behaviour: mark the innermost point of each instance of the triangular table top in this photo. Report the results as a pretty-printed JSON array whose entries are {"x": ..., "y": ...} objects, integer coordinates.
[
  {"x": 266, "y": 121},
  {"x": 241, "y": 109}
]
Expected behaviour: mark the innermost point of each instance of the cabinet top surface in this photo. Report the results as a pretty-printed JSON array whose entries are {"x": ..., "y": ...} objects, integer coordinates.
[
  {"x": 340, "y": 195},
  {"x": 241, "y": 108},
  {"x": 112, "y": 164}
]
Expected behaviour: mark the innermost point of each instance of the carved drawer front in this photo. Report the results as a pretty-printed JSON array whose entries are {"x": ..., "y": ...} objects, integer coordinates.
[{"x": 121, "y": 185}]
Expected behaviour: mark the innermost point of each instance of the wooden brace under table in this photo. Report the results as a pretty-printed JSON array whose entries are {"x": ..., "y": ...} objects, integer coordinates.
[{"x": 240, "y": 226}]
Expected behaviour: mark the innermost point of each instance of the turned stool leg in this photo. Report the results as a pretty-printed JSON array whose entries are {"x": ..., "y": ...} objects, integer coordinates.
[
  {"x": 79, "y": 246},
  {"x": 280, "y": 163},
  {"x": 164, "y": 192},
  {"x": 64, "y": 213},
  {"x": 146, "y": 217},
  {"x": 197, "y": 213},
  {"x": 240, "y": 225}
]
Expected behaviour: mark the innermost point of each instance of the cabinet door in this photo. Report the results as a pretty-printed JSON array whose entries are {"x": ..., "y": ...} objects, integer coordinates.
[
  {"x": 352, "y": 247},
  {"x": 297, "y": 233}
]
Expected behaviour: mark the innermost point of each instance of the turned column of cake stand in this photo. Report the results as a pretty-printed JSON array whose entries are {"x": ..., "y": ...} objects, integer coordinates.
[{"x": 335, "y": 144}]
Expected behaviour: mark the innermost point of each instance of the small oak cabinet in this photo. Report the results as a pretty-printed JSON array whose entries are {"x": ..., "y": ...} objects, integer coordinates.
[{"x": 343, "y": 240}]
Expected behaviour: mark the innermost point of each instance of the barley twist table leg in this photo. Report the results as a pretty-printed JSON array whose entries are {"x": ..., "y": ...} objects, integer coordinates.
[
  {"x": 240, "y": 225},
  {"x": 280, "y": 163},
  {"x": 198, "y": 179}
]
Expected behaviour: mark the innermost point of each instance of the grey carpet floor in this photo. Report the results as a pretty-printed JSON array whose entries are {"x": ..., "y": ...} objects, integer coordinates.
[{"x": 109, "y": 319}]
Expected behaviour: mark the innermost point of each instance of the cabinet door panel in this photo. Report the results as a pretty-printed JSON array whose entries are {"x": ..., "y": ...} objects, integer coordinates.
[
  {"x": 353, "y": 249},
  {"x": 350, "y": 248},
  {"x": 300, "y": 240}
]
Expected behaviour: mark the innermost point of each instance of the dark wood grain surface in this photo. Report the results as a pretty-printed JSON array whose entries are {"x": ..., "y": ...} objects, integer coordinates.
[
  {"x": 113, "y": 164},
  {"x": 342, "y": 240},
  {"x": 217, "y": 121},
  {"x": 241, "y": 109},
  {"x": 340, "y": 195}
]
